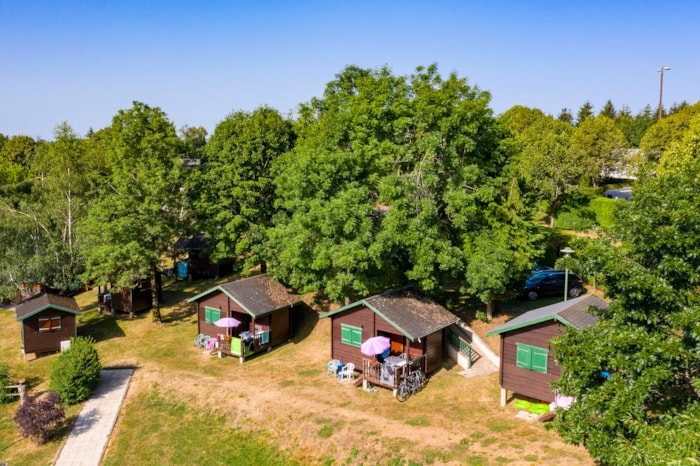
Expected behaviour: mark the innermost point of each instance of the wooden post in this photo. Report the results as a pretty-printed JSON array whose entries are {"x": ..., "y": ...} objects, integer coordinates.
[
  {"x": 504, "y": 395},
  {"x": 22, "y": 390}
]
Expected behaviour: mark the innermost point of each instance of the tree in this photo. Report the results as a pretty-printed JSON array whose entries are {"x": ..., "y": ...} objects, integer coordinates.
[
  {"x": 598, "y": 145},
  {"x": 566, "y": 116},
  {"x": 663, "y": 134},
  {"x": 390, "y": 176},
  {"x": 76, "y": 371},
  {"x": 42, "y": 213},
  {"x": 233, "y": 194},
  {"x": 39, "y": 415},
  {"x": 584, "y": 112},
  {"x": 634, "y": 127},
  {"x": 609, "y": 110},
  {"x": 15, "y": 156},
  {"x": 519, "y": 118},
  {"x": 138, "y": 211},
  {"x": 636, "y": 374},
  {"x": 547, "y": 164}
]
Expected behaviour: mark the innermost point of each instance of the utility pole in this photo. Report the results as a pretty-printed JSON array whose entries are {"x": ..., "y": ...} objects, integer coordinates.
[{"x": 661, "y": 88}]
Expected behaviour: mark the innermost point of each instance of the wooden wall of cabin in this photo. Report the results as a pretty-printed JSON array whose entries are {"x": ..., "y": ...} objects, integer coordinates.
[
  {"x": 42, "y": 342},
  {"x": 280, "y": 326},
  {"x": 434, "y": 351},
  {"x": 228, "y": 308},
  {"x": 361, "y": 317},
  {"x": 524, "y": 381}
]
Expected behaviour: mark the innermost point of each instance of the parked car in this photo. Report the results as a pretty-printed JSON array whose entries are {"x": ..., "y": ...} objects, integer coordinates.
[
  {"x": 551, "y": 283},
  {"x": 540, "y": 268}
]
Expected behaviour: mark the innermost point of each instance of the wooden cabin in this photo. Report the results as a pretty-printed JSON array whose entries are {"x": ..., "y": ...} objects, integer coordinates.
[
  {"x": 47, "y": 322},
  {"x": 527, "y": 358},
  {"x": 263, "y": 306},
  {"x": 130, "y": 300},
  {"x": 195, "y": 262},
  {"x": 415, "y": 325}
]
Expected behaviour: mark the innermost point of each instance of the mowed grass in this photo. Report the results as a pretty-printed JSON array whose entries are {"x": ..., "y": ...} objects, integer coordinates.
[{"x": 186, "y": 407}]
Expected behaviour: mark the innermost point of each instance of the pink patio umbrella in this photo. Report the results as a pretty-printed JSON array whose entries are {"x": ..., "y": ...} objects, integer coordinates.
[
  {"x": 375, "y": 345},
  {"x": 227, "y": 322}
]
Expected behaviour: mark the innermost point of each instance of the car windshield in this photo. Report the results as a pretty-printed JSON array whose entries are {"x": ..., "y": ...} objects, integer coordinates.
[{"x": 538, "y": 277}]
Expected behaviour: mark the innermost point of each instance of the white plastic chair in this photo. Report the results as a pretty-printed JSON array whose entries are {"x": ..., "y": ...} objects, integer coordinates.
[{"x": 348, "y": 371}]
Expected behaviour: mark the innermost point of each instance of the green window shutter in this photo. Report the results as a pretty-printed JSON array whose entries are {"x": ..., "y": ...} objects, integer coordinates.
[
  {"x": 524, "y": 355},
  {"x": 211, "y": 314},
  {"x": 531, "y": 357},
  {"x": 350, "y": 335},
  {"x": 539, "y": 360}
]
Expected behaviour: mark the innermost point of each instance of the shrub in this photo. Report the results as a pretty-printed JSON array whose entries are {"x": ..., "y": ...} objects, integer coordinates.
[
  {"x": 37, "y": 417},
  {"x": 603, "y": 208},
  {"x": 76, "y": 371},
  {"x": 4, "y": 382}
]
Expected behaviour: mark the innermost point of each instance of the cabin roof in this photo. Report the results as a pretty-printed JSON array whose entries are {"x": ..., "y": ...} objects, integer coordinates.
[
  {"x": 46, "y": 301},
  {"x": 195, "y": 242},
  {"x": 574, "y": 312},
  {"x": 258, "y": 296},
  {"x": 408, "y": 311}
]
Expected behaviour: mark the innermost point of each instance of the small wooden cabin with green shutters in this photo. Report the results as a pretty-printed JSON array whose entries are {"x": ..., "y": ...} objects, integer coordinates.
[
  {"x": 414, "y": 324},
  {"x": 263, "y": 306},
  {"x": 527, "y": 361}
]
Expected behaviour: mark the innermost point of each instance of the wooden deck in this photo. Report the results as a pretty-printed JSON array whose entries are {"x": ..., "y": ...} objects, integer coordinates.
[{"x": 242, "y": 348}]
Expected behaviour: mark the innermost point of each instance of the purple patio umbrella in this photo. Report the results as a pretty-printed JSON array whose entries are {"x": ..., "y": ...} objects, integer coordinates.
[
  {"x": 375, "y": 345},
  {"x": 227, "y": 322}
]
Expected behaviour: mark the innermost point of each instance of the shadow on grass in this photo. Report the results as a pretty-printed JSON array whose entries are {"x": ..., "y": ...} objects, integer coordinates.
[{"x": 99, "y": 326}]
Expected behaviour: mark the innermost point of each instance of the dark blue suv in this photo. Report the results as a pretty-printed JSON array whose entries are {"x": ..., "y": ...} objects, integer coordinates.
[{"x": 551, "y": 283}]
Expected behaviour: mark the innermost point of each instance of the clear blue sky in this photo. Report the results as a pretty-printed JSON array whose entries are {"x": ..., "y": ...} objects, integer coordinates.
[{"x": 81, "y": 62}]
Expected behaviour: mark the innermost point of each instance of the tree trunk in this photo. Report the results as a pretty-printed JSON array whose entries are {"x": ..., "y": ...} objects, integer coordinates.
[
  {"x": 263, "y": 267},
  {"x": 155, "y": 303},
  {"x": 490, "y": 308}
]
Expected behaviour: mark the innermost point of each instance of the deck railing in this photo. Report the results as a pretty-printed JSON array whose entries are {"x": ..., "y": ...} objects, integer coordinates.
[
  {"x": 245, "y": 347},
  {"x": 461, "y": 345}
]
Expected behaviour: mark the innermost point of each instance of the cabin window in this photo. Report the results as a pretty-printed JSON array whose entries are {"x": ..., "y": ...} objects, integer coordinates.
[
  {"x": 350, "y": 335},
  {"x": 532, "y": 358},
  {"x": 211, "y": 314},
  {"x": 46, "y": 324}
]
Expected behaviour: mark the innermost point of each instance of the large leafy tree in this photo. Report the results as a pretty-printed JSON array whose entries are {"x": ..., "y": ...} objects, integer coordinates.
[
  {"x": 138, "y": 212},
  {"x": 233, "y": 194},
  {"x": 547, "y": 164},
  {"x": 597, "y": 145},
  {"x": 16, "y": 154},
  {"x": 636, "y": 374},
  {"x": 389, "y": 182},
  {"x": 662, "y": 135},
  {"x": 42, "y": 212}
]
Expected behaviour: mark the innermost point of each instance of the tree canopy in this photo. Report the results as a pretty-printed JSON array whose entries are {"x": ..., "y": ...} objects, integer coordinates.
[
  {"x": 390, "y": 181},
  {"x": 636, "y": 374},
  {"x": 138, "y": 207}
]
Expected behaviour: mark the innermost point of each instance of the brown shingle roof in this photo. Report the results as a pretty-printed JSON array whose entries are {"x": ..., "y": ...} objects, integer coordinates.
[
  {"x": 258, "y": 295},
  {"x": 413, "y": 314},
  {"x": 44, "y": 301}
]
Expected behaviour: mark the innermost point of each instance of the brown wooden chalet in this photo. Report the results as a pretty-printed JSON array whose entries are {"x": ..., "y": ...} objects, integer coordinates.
[
  {"x": 131, "y": 300},
  {"x": 527, "y": 361},
  {"x": 47, "y": 321},
  {"x": 414, "y": 323},
  {"x": 263, "y": 307}
]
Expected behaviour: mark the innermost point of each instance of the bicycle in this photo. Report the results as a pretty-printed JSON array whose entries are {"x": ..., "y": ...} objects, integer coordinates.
[{"x": 412, "y": 383}]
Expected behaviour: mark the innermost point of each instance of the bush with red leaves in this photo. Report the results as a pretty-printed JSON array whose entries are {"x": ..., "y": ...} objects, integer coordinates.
[{"x": 37, "y": 417}]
